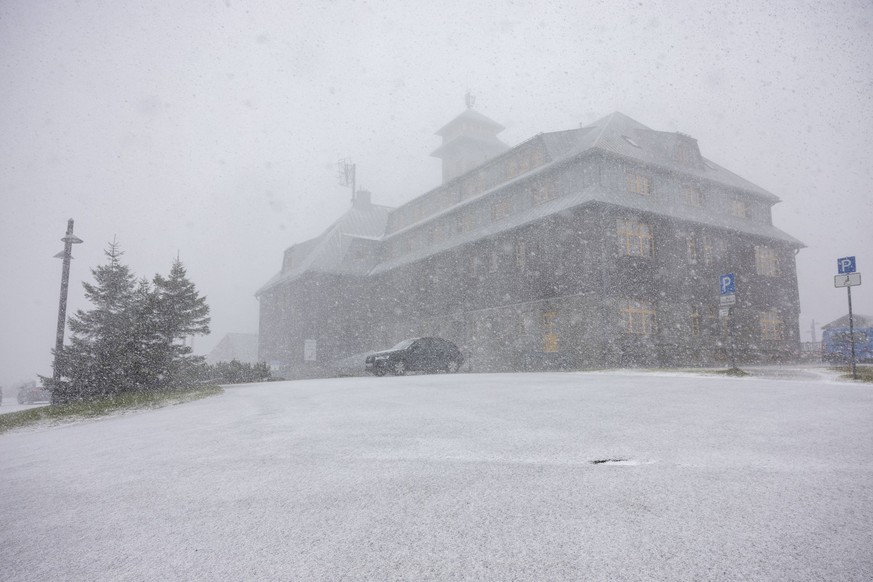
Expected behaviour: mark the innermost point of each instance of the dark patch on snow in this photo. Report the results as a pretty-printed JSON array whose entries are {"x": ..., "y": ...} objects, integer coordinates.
[{"x": 607, "y": 461}]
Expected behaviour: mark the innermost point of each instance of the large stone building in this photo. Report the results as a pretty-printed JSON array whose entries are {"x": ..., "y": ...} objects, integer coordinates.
[{"x": 593, "y": 247}]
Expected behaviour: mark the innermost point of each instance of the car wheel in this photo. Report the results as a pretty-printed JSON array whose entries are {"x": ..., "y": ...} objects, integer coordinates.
[
  {"x": 399, "y": 368},
  {"x": 452, "y": 367}
]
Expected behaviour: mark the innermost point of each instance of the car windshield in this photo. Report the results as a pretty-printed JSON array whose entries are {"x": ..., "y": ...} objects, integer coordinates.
[{"x": 403, "y": 345}]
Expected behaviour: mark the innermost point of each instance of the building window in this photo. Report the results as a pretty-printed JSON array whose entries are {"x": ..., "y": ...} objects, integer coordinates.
[
  {"x": 685, "y": 154},
  {"x": 550, "y": 342},
  {"x": 466, "y": 221},
  {"x": 520, "y": 255},
  {"x": 472, "y": 185},
  {"x": 635, "y": 238},
  {"x": 766, "y": 261},
  {"x": 639, "y": 318},
  {"x": 760, "y": 213},
  {"x": 692, "y": 196},
  {"x": 522, "y": 162},
  {"x": 550, "y": 331},
  {"x": 475, "y": 266},
  {"x": 771, "y": 325},
  {"x": 500, "y": 209},
  {"x": 695, "y": 322},
  {"x": 543, "y": 192},
  {"x": 713, "y": 249},
  {"x": 639, "y": 184},
  {"x": 359, "y": 253},
  {"x": 739, "y": 207},
  {"x": 439, "y": 233},
  {"x": 691, "y": 244},
  {"x": 494, "y": 265}
]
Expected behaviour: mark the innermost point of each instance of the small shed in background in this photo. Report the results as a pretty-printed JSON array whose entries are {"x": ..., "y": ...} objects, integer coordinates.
[{"x": 242, "y": 347}]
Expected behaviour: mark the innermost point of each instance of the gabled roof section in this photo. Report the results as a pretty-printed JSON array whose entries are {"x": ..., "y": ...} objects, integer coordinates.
[
  {"x": 473, "y": 116},
  {"x": 326, "y": 252},
  {"x": 859, "y": 322},
  {"x": 490, "y": 143},
  {"x": 242, "y": 347},
  {"x": 619, "y": 134},
  {"x": 561, "y": 143}
]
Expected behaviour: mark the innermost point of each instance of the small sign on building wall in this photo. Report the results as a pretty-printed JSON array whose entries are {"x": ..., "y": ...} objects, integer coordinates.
[{"x": 309, "y": 350}]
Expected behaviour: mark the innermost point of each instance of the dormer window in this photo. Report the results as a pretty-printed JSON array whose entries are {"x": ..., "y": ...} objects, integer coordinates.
[
  {"x": 686, "y": 153},
  {"x": 639, "y": 184},
  {"x": 739, "y": 207},
  {"x": 500, "y": 209},
  {"x": 692, "y": 196},
  {"x": 543, "y": 192}
]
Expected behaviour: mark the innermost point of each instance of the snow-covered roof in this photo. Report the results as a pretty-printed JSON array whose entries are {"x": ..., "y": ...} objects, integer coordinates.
[
  {"x": 490, "y": 142},
  {"x": 858, "y": 322},
  {"x": 614, "y": 135},
  {"x": 472, "y": 116},
  {"x": 326, "y": 253},
  {"x": 242, "y": 347},
  {"x": 619, "y": 134}
]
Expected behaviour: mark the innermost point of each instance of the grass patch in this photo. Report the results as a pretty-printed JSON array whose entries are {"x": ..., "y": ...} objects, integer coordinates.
[
  {"x": 865, "y": 373},
  {"x": 102, "y": 407},
  {"x": 736, "y": 372}
]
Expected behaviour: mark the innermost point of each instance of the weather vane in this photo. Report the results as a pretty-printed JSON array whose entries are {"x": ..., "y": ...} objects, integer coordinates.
[{"x": 470, "y": 99}]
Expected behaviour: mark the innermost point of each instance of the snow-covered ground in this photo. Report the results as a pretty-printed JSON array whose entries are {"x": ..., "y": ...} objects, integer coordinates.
[{"x": 464, "y": 477}]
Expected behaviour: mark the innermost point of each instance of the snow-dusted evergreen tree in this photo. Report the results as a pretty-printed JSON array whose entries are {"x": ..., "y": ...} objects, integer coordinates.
[
  {"x": 133, "y": 338},
  {"x": 181, "y": 312},
  {"x": 95, "y": 361},
  {"x": 144, "y": 346}
]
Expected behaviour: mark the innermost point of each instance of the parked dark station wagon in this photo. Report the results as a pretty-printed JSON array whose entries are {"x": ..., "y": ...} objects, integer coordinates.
[{"x": 424, "y": 354}]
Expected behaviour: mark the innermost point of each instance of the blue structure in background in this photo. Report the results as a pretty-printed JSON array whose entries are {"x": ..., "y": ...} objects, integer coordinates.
[{"x": 835, "y": 340}]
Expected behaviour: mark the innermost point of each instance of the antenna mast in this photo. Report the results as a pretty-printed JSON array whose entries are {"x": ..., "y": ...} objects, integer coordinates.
[{"x": 346, "y": 174}]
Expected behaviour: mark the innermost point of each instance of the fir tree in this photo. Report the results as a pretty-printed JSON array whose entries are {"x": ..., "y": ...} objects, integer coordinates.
[
  {"x": 181, "y": 312},
  {"x": 95, "y": 360},
  {"x": 144, "y": 346},
  {"x": 133, "y": 339}
]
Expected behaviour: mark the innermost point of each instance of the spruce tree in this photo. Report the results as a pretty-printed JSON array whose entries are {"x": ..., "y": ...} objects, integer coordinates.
[
  {"x": 181, "y": 312},
  {"x": 133, "y": 338},
  {"x": 145, "y": 347},
  {"x": 95, "y": 362}
]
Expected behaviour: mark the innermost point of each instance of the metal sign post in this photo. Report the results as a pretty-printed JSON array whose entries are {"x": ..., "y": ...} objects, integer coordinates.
[
  {"x": 848, "y": 278},
  {"x": 728, "y": 289},
  {"x": 852, "y": 333}
]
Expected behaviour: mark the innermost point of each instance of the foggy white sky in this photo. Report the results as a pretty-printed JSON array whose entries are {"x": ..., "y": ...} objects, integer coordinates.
[{"x": 212, "y": 128}]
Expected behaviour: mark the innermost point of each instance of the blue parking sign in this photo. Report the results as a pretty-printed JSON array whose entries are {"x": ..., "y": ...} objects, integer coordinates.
[
  {"x": 727, "y": 284},
  {"x": 846, "y": 265}
]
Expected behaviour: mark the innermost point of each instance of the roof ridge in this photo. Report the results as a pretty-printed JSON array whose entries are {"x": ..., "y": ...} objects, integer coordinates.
[{"x": 603, "y": 129}]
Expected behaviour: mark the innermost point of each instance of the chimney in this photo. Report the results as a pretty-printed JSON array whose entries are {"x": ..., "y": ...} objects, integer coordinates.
[{"x": 362, "y": 200}]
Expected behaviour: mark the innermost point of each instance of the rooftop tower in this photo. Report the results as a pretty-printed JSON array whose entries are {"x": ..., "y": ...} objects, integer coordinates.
[{"x": 469, "y": 140}]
